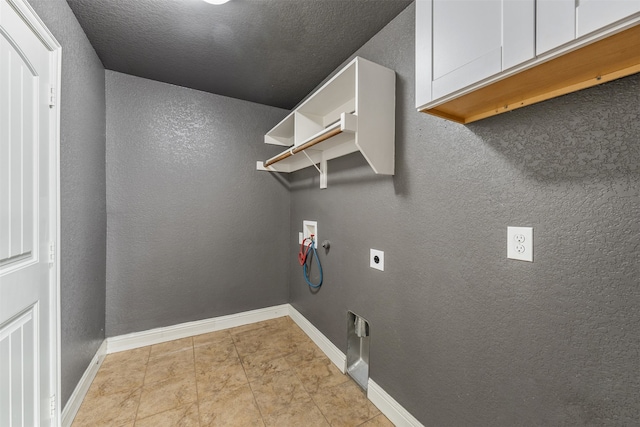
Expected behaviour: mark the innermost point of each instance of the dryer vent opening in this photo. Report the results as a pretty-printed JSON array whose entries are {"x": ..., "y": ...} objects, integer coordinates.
[{"x": 358, "y": 339}]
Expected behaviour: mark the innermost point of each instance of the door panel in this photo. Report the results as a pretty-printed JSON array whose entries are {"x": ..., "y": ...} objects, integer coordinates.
[
  {"x": 596, "y": 14},
  {"x": 555, "y": 24},
  {"x": 483, "y": 67},
  {"x": 424, "y": 68},
  {"x": 5, "y": 154},
  {"x": 18, "y": 363},
  {"x": 27, "y": 349},
  {"x": 18, "y": 186},
  {"x": 476, "y": 32},
  {"x": 519, "y": 40}
]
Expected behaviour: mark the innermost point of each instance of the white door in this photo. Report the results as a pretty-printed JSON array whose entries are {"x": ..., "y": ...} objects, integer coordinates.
[{"x": 28, "y": 284}]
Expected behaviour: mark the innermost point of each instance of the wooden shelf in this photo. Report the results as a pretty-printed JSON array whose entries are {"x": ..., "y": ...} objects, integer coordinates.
[
  {"x": 592, "y": 64},
  {"x": 329, "y": 143}
]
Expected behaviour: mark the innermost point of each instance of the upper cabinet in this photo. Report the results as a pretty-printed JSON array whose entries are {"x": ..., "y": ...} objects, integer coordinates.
[
  {"x": 542, "y": 48},
  {"x": 471, "y": 40}
]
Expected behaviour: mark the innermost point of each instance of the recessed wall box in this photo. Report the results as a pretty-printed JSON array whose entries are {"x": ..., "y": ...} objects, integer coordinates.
[{"x": 310, "y": 228}]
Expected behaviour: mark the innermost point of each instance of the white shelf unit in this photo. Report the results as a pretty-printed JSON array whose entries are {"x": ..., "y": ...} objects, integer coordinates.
[{"x": 353, "y": 111}]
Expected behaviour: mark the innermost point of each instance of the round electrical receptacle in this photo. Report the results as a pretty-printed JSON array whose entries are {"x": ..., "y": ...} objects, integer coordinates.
[{"x": 376, "y": 259}]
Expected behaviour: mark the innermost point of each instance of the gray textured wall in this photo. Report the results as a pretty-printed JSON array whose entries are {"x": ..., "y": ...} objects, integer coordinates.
[
  {"x": 461, "y": 336},
  {"x": 82, "y": 193},
  {"x": 194, "y": 231}
]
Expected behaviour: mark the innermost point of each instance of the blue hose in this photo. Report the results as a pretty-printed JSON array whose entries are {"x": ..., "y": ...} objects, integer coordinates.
[{"x": 304, "y": 269}]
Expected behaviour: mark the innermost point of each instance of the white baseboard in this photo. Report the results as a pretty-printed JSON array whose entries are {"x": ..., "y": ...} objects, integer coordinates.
[
  {"x": 389, "y": 407},
  {"x": 330, "y": 350},
  {"x": 183, "y": 330},
  {"x": 75, "y": 400}
]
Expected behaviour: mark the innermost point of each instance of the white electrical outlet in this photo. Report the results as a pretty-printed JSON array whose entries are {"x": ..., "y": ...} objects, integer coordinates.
[
  {"x": 376, "y": 259},
  {"x": 520, "y": 243}
]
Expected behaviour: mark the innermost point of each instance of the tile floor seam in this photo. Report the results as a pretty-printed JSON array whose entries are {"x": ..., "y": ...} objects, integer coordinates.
[
  {"x": 360, "y": 425},
  {"x": 248, "y": 382},
  {"x": 135, "y": 418},
  {"x": 295, "y": 372},
  {"x": 151, "y": 384},
  {"x": 375, "y": 416},
  {"x": 160, "y": 413},
  {"x": 262, "y": 418},
  {"x": 195, "y": 375}
]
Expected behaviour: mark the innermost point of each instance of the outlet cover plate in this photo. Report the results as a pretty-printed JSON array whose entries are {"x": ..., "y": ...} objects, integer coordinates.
[
  {"x": 372, "y": 259},
  {"x": 520, "y": 243}
]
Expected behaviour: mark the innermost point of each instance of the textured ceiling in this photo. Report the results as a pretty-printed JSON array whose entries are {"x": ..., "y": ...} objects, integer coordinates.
[{"x": 272, "y": 52}]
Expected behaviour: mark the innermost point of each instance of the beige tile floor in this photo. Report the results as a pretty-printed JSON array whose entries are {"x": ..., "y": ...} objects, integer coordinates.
[{"x": 265, "y": 374}]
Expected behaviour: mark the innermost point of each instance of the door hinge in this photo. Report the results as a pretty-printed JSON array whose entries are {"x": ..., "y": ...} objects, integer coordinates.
[
  {"x": 52, "y": 406},
  {"x": 52, "y": 253},
  {"x": 52, "y": 97}
]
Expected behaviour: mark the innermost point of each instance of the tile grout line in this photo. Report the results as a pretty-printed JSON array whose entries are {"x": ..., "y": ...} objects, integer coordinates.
[
  {"x": 135, "y": 419},
  {"x": 248, "y": 382},
  {"x": 290, "y": 368},
  {"x": 195, "y": 377},
  {"x": 311, "y": 395},
  {"x": 167, "y": 379},
  {"x": 375, "y": 416}
]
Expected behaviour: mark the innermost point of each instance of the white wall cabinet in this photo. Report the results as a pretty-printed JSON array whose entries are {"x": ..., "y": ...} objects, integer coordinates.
[
  {"x": 466, "y": 45},
  {"x": 471, "y": 40},
  {"x": 353, "y": 111}
]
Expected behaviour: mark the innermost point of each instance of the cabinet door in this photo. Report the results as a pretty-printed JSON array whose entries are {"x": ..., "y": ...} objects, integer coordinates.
[
  {"x": 461, "y": 42},
  {"x": 467, "y": 43},
  {"x": 424, "y": 77},
  {"x": 596, "y": 14},
  {"x": 555, "y": 24},
  {"x": 519, "y": 32}
]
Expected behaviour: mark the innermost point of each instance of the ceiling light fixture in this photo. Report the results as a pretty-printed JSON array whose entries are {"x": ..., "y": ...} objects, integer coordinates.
[{"x": 216, "y": 1}]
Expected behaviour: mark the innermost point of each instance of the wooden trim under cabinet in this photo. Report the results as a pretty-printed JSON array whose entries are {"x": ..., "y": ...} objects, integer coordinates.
[{"x": 608, "y": 59}]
